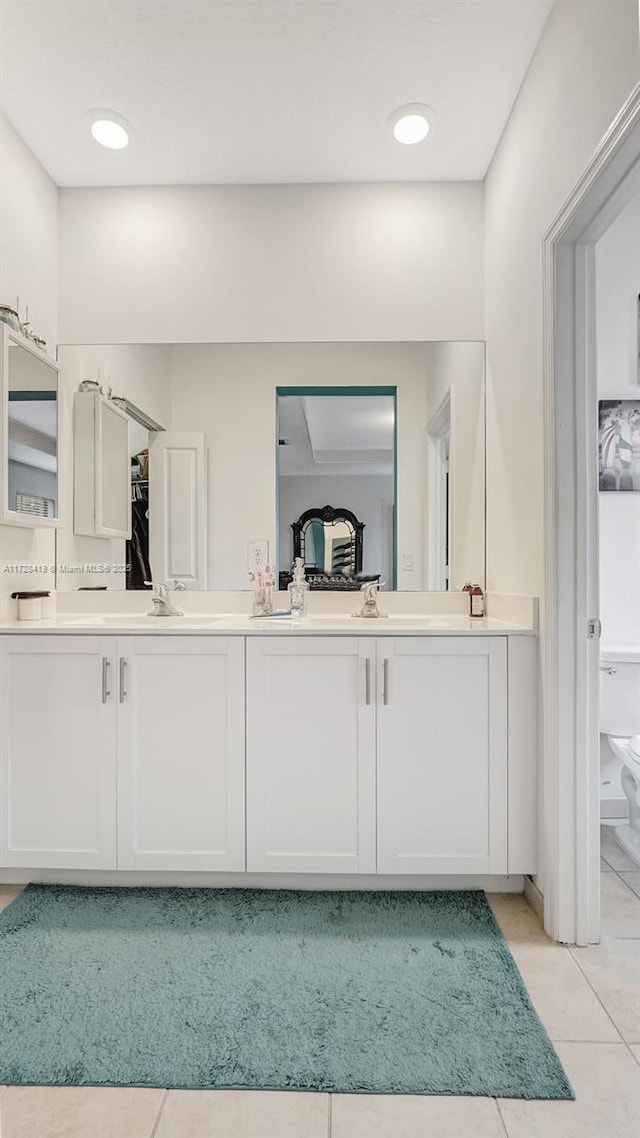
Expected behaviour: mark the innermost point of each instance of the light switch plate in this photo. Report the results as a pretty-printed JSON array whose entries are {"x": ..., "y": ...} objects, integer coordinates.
[
  {"x": 257, "y": 554},
  {"x": 408, "y": 562}
]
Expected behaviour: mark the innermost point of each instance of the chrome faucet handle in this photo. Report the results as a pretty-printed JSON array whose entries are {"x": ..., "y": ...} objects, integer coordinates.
[
  {"x": 162, "y": 606},
  {"x": 370, "y": 599}
]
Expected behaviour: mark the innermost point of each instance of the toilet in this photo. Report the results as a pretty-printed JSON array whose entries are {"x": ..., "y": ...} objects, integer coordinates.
[{"x": 620, "y": 722}]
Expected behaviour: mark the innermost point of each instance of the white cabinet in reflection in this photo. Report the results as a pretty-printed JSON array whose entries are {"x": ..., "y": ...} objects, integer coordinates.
[{"x": 101, "y": 467}]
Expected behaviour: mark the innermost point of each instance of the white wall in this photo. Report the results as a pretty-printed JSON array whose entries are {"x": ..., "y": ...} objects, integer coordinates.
[
  {"x": 370, "y": 497},
  {"x": 585, "y": 67},
  {"x": 142, "y": 374},
  {"x": 28, "y": 269},
  {"x": 271, "y": 263},
  {"x": 617, "y": 288}
]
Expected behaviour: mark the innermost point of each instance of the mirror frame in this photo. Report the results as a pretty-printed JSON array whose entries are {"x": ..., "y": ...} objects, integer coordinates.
[
  {"x": 13, "y": 517},
  {"x": 330, "y": 514}
]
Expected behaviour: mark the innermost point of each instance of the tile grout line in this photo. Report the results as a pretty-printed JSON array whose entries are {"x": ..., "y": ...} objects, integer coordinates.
[
  {"x": 598, "y": 998},
  {"x": 501, "y": 1117},
  {"x": 154, "y": 1128}
]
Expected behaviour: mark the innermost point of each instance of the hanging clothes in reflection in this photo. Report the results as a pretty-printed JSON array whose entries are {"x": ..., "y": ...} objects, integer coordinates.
[{"x": 138, "y": 566}]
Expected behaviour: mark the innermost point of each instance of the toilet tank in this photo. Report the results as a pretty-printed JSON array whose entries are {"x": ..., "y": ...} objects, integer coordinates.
[{"x": 620, "y": 690}]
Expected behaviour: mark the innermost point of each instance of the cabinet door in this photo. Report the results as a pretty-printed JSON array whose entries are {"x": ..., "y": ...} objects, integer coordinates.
[
  {"x": 101, "y": 467},
  {"x": 58, "y": 751},
  {"x": 181, "y": 753},
  {"x": 113, "y": 471},
  {"x": 442, "y": 755},
  {"x": 310, "y": 755}
]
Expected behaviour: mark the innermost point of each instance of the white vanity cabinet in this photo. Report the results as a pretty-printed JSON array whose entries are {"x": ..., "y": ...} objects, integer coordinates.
[
  {"x": 310, "y": 754},
  {"x": 58, "y": 752},
  {"x": 326, "y": 754},
  {"x": 379, "y": 755},
  {"x": 181, "y": 753},
  {"x": 442, "y": 755},
  {"x": 163, "y": 717}
]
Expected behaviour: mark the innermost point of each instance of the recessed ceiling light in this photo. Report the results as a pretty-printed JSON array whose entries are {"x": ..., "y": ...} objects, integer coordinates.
[
  {"x": 109, "y": 129},
  {"x": 411, "y": 123}
]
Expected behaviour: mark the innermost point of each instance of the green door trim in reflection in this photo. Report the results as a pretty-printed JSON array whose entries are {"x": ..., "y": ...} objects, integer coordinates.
[
  {"x": 360, "y": 390},
  {"x": 28, "y": 395}
]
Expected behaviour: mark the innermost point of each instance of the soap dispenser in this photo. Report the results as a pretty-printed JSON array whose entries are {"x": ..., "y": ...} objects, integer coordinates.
[{"x": 298, "y": 589}]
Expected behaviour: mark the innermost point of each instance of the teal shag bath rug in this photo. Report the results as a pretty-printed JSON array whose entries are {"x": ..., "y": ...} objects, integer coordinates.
[{"x": 390, "y": 993}]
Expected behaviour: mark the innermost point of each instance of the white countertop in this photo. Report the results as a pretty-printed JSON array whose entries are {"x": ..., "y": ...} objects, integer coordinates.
[{"x": 233, "y": 624}]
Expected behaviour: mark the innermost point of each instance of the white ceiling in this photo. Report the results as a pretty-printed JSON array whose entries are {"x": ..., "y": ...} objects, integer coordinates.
[
  {"x": 264, "y": 90},
  {"x": 336, "y": 435}
]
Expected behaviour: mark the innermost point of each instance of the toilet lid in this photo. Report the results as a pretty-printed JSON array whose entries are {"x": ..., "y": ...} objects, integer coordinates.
[{"x": 634, "y": 747}]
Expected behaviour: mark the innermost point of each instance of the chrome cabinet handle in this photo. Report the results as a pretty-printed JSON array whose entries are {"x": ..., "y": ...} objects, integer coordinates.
[
  {"x": 608, "y": 671},
  {"x": 106, "y": 691},
  {"x": 385, "y": 682},
  {"x": 123, "y": 690},
  {"x": 367, "y": 681}
]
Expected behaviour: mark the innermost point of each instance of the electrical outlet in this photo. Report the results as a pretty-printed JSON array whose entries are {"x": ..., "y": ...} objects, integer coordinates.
[
  {"x": 257, "y": 555},
  {"x": 408, "y": 562}
]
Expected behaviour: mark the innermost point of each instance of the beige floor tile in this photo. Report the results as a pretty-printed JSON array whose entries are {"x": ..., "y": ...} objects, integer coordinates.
[
  {"x": 414, "y": 1116},
  {"x": 515, "y": 916},
  {"x": 561, "y": 995},
  {"x": 605, "y": 1079},
  {"x": 244, "y": 1114},
  {"x": 8, "y": 893},
  {"x": 605, "y": 867},
  {"x": 635, "y": 1050},
  {"x": 78, "y": 1112},
  {"x": 612, "y": 853},
  {"x": 620, "y": 907},
  {"x": 613, "y": 970},
  {"x": 632, "y": 880}
]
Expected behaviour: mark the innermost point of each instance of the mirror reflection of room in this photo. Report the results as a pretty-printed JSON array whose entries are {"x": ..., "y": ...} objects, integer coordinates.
[
  {"x": 336, "y": 486},
  {"x": 32, "y": 435},
  {"x": 138, "y": 566},
  {"x": 391, "y": 433}
]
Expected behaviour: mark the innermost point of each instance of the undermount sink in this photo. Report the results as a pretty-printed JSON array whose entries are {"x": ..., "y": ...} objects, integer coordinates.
[{"x": 128, "y": 620}]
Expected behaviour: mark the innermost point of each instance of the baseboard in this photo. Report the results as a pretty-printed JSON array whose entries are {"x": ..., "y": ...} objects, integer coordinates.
[
  {"x": 534, "y": 897},
  {"x": 490, "y": 883}
]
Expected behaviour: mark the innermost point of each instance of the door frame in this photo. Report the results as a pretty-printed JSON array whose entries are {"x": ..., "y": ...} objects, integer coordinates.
[
  {"x": 439, "y": 437},
  {"x": 570, "y": 664}
]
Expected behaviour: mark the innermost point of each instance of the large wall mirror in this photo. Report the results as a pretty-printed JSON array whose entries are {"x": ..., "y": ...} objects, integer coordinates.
[
  {"x": 30, "y": 424},
  {"x": 367, "y": 457}
]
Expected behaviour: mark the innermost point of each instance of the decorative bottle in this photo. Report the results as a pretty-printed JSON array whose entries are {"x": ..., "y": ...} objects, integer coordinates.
[
  {"x": 476, "y": 601},
  {"x": 298, "y": 589}
]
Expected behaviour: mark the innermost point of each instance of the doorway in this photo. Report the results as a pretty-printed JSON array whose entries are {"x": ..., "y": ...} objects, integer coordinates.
[
  {"x": 439, "y": 498},
  {"x": 571, "y": 616}
]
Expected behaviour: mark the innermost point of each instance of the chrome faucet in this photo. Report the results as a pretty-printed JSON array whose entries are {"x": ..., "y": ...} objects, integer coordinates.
[
  {"x": 162, "y": 605},
  {"x": 370, "y": 601}
]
